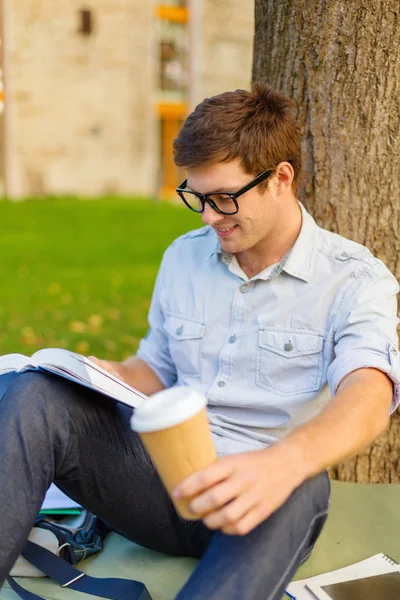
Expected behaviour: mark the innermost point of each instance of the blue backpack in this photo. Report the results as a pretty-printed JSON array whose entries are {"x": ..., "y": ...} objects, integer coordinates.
[{"x": 75, "y": 539}]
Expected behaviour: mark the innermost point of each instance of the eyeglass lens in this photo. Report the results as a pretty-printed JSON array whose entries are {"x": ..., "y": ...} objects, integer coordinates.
[{"x": 223, "y": 202}]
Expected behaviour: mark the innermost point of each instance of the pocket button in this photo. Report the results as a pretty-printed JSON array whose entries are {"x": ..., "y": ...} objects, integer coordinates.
[{"x": 179, "y": 330}]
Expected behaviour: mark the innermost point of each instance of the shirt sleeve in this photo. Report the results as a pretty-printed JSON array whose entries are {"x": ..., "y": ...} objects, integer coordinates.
[
  {"x": 366, "y": 329},
  {"x": 154, "y": 348}
]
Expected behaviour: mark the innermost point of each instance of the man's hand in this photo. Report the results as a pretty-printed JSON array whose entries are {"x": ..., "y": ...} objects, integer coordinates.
[
  {"x": 134, "y": 371},
  {"x": 238, "y": 492},
  {"x": 114, "y": 368}
]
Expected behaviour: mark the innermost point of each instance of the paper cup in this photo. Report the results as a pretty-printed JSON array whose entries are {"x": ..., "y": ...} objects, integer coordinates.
[{"x": 173, "y": 426}]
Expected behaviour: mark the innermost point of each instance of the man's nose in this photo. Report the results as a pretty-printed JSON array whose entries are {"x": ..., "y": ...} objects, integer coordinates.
[{"x": 209, "y": 215}]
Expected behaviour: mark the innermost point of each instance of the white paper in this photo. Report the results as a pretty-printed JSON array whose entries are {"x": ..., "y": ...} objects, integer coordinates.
[{"x": 56, "y": 499}]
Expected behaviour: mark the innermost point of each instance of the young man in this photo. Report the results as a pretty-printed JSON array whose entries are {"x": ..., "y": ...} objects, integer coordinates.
[{"x": 258, "y": 310}]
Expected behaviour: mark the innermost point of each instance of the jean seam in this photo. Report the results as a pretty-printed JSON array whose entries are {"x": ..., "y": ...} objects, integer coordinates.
[{"x": 317, "y": 516}]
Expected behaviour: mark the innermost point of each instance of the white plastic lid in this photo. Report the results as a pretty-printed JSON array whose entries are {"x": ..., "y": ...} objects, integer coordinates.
[{"x": 167, "y": 408}]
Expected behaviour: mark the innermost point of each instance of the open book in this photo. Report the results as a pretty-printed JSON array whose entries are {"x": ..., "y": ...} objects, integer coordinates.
[{"x": 77, "y": 368}]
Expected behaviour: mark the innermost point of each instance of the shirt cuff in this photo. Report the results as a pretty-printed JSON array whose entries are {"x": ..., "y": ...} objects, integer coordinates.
[{"x": 388, "y": 364}]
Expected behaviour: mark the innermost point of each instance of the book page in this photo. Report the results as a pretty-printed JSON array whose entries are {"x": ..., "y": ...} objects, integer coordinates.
[
  {"x": 80, "y": 369},
  {"x": 12, "y": 362}
]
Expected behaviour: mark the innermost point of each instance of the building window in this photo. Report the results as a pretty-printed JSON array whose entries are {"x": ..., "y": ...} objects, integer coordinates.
[
  {"x": 173, "y": 65},
  {"x": 172, "y": 18},
  {"x": 85, "y": 22}
]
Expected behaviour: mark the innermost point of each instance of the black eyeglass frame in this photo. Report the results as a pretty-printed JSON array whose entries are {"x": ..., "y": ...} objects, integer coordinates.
[{"x": 233, "y": 195}]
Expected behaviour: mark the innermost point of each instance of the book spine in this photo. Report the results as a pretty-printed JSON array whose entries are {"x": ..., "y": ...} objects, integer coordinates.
[{"x": 390, "y": 560}]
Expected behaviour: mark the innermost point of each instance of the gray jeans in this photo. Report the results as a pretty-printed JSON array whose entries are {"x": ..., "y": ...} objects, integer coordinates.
[{"x": 54, "y": 430}]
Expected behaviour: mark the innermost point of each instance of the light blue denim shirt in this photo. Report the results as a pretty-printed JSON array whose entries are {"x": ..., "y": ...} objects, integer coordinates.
[{"x": 263, "y": 349}]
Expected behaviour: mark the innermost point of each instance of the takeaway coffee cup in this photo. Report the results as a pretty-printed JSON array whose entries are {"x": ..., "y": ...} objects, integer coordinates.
[{"x": 174, "y": 428}]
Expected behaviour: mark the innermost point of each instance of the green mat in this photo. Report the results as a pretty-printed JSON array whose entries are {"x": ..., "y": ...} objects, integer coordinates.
[{"x": 363, "y": 520}]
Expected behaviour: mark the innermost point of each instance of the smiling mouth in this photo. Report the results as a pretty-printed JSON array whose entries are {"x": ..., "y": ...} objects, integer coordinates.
[{"x": 225, "y": 231}]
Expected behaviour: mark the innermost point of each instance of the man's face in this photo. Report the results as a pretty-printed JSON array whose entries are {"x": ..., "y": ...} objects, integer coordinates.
[{"x": 257, "y": 218}]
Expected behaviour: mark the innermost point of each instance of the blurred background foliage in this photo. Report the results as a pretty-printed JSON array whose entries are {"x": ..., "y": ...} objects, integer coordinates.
[{"x": 79, "y": 275}]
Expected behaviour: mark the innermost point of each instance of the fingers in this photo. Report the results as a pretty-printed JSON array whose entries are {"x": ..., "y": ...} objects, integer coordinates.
[
  {"x": 95, "y": 360},
  {"x": 202, "y": 480},
  {"x": 219, "y": 495},
  {"x": 234, "y": 494},
  {"x": 235, "y": 505},
  {"x": 107, "y": 366},
  {"x": 230, "y": 515},
  {"x": 256, "y": 515}
]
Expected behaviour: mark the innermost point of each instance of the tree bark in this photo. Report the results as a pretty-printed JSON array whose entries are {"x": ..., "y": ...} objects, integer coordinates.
[{"x": 340, "y": 61}]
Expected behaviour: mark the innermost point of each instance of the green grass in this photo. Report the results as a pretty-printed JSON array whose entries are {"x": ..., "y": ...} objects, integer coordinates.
[{"x": 79, "y": 274}]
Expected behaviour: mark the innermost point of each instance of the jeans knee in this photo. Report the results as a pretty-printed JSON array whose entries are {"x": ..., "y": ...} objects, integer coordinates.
[
  {"x": 30, "y": 395},
  {"x": 29, "y": 384},
  {"x": 320, "y": 489}
]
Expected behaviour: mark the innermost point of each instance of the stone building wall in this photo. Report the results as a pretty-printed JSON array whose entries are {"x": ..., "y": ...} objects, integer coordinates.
[
  {"x": 81, "y": 113},
  {"x": 81, "y": 118},
  {"x": 227, "y": 45}
]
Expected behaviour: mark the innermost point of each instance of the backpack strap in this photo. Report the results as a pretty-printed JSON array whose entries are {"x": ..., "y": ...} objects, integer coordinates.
[{"x": 68, "y": 576}]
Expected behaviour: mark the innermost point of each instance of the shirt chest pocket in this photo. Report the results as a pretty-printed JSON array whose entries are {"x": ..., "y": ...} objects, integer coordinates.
[
  {"x": 185, "y": 338},
  {"x": 289, "y": 361}
]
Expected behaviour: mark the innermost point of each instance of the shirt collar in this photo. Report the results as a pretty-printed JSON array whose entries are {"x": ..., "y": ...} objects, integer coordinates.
[{"x": 301, "y": 260}]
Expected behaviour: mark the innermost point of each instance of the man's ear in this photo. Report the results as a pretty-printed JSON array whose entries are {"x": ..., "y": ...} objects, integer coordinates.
[{"x": 285, "y": 174}]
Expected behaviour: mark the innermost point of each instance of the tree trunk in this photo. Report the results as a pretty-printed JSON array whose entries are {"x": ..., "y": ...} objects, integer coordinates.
[{"x": 340, "y": 61}]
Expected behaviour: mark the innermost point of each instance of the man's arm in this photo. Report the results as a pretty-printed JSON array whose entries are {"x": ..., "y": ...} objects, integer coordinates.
[
  {"x": 137, "y": 373},
  {"x": 238, "y": 492},
  {"x": 353, "y": 419}
]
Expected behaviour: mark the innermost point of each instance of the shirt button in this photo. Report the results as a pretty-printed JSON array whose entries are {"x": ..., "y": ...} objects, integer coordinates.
[
  {"x": 288, "y": 347},
  {"x": 179, "y": 330},
  {"x": 221, "y": 383},
  {"x": 232, "y": 339},
  {"x": 244, "y": 288}
]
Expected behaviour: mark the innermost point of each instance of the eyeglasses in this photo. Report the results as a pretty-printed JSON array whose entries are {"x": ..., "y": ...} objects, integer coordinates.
[{"x": 224, "y": 203}]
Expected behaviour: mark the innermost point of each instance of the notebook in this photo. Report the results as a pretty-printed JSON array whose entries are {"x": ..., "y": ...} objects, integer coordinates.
[
  {"x": 379, "y": 587},
  {"x": 311, "y": 588}
]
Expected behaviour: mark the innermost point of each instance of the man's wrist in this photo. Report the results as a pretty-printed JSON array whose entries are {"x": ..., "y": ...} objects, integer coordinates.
[{"x": 290, "y": 453}]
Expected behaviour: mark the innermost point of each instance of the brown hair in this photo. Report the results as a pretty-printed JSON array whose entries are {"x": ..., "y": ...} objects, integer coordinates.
[{"x": 257, "y": 126}]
